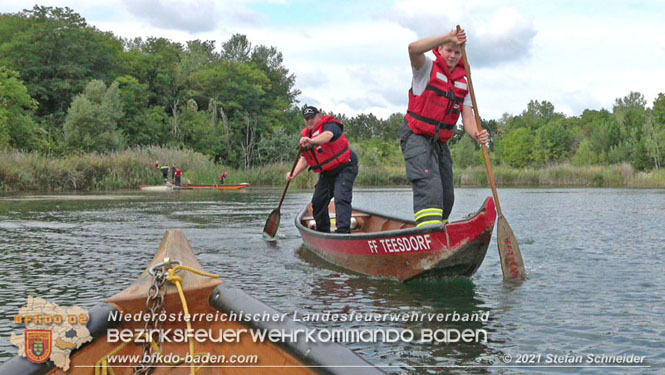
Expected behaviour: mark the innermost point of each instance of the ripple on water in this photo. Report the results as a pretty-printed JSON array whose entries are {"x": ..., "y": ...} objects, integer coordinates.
[{"x": 596, "y": 283}]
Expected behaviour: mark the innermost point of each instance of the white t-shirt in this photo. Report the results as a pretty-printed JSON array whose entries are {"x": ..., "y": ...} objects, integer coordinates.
[{"x": 421, "y": 79}]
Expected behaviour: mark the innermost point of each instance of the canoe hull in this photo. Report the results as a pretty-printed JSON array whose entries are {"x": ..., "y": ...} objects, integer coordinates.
[
  {"x": 409, "y": 253},
  {"x": 168, "y": 188},
  {"x": 156, "y": 188},
  {"x": 216, "y": 187}
]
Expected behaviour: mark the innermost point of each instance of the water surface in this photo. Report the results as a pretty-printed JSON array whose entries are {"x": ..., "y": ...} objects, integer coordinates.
[{"x": 594, "y": 256}]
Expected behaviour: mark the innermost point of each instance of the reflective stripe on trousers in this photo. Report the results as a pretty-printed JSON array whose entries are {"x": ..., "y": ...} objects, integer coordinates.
[{"x": 429, "y": 169}]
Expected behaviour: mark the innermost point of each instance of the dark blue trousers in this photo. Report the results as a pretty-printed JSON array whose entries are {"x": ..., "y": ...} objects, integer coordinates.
[{"x": 338, "y": 184}]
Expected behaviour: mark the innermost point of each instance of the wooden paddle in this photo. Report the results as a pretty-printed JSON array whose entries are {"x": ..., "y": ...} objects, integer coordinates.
[
  {"x": 512, "y": 264},
  {"x": 272, "y": 224}
]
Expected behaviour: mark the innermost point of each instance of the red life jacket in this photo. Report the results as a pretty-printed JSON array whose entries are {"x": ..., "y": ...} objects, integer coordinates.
[
  {"x": 328, "y": 156},
  {"x": 178, "y": 172},
  {"x": 442, "y": 101}
]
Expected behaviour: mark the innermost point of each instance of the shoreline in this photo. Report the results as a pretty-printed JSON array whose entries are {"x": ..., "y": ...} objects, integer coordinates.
[{"x": 126, "y": 170}]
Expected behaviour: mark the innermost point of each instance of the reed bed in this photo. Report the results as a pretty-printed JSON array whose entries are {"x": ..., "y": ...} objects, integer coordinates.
[{"x": 25, "y": 171}]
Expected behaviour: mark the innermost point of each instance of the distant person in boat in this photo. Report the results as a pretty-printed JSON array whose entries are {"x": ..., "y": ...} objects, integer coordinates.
[
  {"x": 177, "y": 176},
  {"x": 222, "y": 177},
  {"x": 326, "y": 151},
  {"x": 439, "y": 94}
]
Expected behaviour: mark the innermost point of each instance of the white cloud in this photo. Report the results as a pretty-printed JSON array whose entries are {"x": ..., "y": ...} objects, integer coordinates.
[
  {"x": 495, "y": 34},
  {"x": 346, "y": 67},
  {"x": 580, "y": 56},
  {"x": 178, "y": 15}
]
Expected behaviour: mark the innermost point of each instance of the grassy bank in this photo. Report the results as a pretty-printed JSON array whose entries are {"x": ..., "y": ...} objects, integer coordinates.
[
  {"x": 126, "y": 170},
  {"x": 564, "y": 175}
]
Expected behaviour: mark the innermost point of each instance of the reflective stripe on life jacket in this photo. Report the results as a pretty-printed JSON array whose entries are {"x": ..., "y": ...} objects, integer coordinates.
[
  {"x": 440, "y": 105},
  {"x": 328, "y": 156}
]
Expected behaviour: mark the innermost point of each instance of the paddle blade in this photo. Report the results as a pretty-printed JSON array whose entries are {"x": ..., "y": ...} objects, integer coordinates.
[
  {"x": 512, "y": 264},
  {"x": 272, "y": 224}
]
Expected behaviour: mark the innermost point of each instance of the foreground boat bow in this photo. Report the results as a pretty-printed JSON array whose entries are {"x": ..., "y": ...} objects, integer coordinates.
[{"x": 205, "y": 297}]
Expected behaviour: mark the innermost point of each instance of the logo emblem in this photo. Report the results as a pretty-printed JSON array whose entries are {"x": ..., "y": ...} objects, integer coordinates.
[{"x": 38, "y": 345}]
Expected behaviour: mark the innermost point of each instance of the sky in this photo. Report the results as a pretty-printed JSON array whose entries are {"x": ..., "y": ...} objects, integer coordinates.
[{"x": 350, "y": 56}]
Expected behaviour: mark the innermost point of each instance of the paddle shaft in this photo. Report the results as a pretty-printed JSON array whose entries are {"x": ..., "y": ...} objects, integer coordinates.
[
  {"x": 512, "y": 263},
  {"x": 295, "y": 162},
  {"x": 467, "y": 68}
]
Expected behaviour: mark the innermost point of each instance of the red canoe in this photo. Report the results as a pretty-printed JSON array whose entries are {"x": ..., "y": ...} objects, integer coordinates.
[
  {"x": 169, "y": 187},
  {"x": 385, "y": 246},
  {"x": 216, "y": 187}
]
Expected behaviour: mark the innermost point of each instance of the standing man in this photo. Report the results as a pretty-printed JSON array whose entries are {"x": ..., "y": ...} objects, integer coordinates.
[
  {"x": 439, "y": 95},
  {"x": 326, "y": 151},
  {"x": 177, "y": 176},
  {"x": 165, "y": 172}
]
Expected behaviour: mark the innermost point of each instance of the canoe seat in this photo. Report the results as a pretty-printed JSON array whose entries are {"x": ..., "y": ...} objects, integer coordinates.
[
  {"x": 357, "y": 223},
  {"x": 392, "y": 225}
]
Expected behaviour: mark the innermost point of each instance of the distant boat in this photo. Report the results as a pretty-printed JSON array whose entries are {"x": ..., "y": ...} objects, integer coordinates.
[
  {"x": 217, "y": 187},
  {"x": 214, "y": 302},
  {"x": 170, "y": 187},
  {"x": 156, "y": 187},
  {"x": 383, "y": 246}
]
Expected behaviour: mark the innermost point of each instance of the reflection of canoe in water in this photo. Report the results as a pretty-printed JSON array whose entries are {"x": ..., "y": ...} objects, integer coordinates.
[
  {"x": 169, "y": 187},
  {"x": 385, "y": 246},
  {"x": 231, "y": 311}
]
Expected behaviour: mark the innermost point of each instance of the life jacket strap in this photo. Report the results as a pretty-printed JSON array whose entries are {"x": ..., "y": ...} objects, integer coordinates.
[
  {"x": 430, "y": 121},
  {"x": 320, "y": 165}
]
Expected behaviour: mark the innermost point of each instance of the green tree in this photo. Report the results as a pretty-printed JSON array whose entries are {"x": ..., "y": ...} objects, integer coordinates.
[
  {"x": 655, "y": 139},
  {"x": 630, "y": 114},
  {"x": 240, "y": 91},
  {"x": 518, "y": 147},
  {"x": 280, "y": 147},
  {"x": 605, "y": 136},
  {"x": 585, "y": 155},
  {"x": 553, "y": 141},
  {"x": 198, "y": 55},
  {"x": 17, "y": 129},
  {"x": 282, "y": 83},
  {"x": 392, "y": 125},
  {"x": 655, "y": 131},
  {"x": 364, "y": 127},
  {"x": 57, "y": 53},
  {"x": 465, "y": 153},
  {"x": 157, "y": 63},
  {"x": 659, "y": 108},
  {"x": 141, "y": 123},
  {"x": 91, "y": 123},
  {"x": 198, "y": 130},
  {"x": 538, "y": 114},
  {"x": 237, "y": 49},
  {"x": 590, "y": 119}
]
